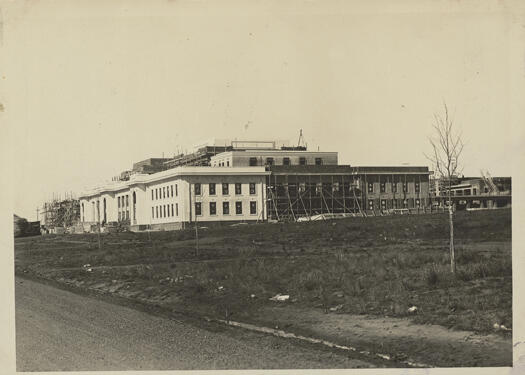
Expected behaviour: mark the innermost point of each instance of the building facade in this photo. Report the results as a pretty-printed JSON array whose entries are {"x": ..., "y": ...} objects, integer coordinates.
[{"x": 170, "y": 199}]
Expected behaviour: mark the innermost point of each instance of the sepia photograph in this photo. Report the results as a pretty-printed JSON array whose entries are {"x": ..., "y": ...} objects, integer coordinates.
[{"x": 262, "y": 185}]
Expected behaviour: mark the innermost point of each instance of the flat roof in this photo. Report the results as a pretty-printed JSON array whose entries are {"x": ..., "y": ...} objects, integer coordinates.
[{"x": 145, "y": 179}]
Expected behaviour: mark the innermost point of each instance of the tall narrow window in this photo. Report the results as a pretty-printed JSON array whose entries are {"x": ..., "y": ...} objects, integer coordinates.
[
  {"x": 163, "y": 192},
  {"x": 394, "y": 187},
  {"x": 225, "y": 208},
  {"x": 127, "y": 200},
  {"x": 176, "y": 190},
  {"x": 416, "y": 186},
  {"x": 213, "y": 208},
  {"x": 212, "y": 189},
  {"x": 172, "y": 213},
  {"x": 198, "y": 209},
  {"x": 238, "y": 208},
  {"x": 153, "y": 211},
  {"x": 156, "y": 193},
  {"x": 370, "y": 187},
  {"x": 405, "y": 187},
  {"x": 225, "y": 189},
  {"x": 164, "y": 210},
  {"x": 382, "y": 187},
  {"x": 152, "y": 196},
  {"x": 197, "y": 189},
  {"x": 157, "y": 211},
  {"x": 172, "y": 191},
  {"x": 238, "y": 189},
  {"x": 176, "y": 209},
  {"x": 252, "y": 188},
  {"x": 253, "y": 208}
]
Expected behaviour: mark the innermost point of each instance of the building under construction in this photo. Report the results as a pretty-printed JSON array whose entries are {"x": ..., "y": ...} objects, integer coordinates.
[{"x": 58, "y": 214}]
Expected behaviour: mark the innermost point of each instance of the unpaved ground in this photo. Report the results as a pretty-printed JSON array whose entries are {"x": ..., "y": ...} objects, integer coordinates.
[{"x": 57, "y": 330}]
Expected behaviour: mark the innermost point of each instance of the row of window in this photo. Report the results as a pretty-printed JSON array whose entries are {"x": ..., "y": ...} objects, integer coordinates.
[
  {"x": 286, "y": 161},
  {"x": 123, "y": 215},
  {"x": 122, "y": 201},
  {"x": 165, "y": 210},
  {"x": 382, "y": 187},
  {"x": 225, "y": 208},
  {"x": 212, "y": 189},
  {"x": 395, "y": 204},
  {"x": 164, "y": 192}
]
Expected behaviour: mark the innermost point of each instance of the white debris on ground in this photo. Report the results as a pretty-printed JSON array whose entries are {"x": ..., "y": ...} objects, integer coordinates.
[
  {"x": 336, "y": 308},
  {"x": 280, "y": 297},
  {"x": 252, "y": 295},
  {"x": 412, "y": 309},
  {"x": 498, "y": 327}
]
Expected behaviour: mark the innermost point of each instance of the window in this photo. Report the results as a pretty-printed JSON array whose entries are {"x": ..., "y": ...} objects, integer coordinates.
[
  {"x": 164, "y": 210},
  {"x": 405, "y": 203},
  {"x": 197, "y": 189},
  {"x": 286, "y": 161},
  {"x": 394, "y": 187},
  {"x": 382, "y": 187},
  {"x": 370, "y": 204},
  {"x": 253, "y": 162},
  {"x": 157, "y": 211},
  {"x": 172, "y": 191},
  {"x": 118, "y": 202},
  {"x": 160, "y": 211},
  {"x": 213, "y": 208},
  {"x": 238, "y": 208},
  {"x": 318, "y": 161},
  {"x": 119, "y": 216},
  {"x": 156, "y": 194},
  {"x": 153, "y": 211},
  {"x": 225, "y": 189},
  {"x": 253, "y": 208},
  {"x": 198, "y": 210},
  {"x": 176, "y": 191},
  {"x": 127, "y": 215},
  {"x": 152, "y": 195},
  {"x": 416, "y": 186},
  {"x": 418, "y": 203},
  {"x": 370, "y": 187},
  {"x": 225, "y": 208},
  {"x": 405, "y": 187},
  {"x": 252, "y": 188},
  {"x": 212, "y": 189},
  {"x": 163, "y": 192},
  {"x": 238, "y": 189},
  {"x": 176, "y": 209},
  {"x": 172, "y": 213},
  {"x": 227, "y": 163},
  {"x": 474, "y": 191},
  {"x": 383, "y": 204},
  {"x": 127, "y": 200},
  {"x": 168, "y": 209},
  {"x": 269, "y": 161},
  {"x": 302, "y": 161}
]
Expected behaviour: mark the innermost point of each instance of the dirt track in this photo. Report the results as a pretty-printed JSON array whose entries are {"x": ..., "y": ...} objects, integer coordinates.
[{"x": 58, "y": 330}]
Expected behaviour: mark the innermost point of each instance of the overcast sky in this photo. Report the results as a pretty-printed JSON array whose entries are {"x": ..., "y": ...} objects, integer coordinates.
[{"x": 94, "y": 86}]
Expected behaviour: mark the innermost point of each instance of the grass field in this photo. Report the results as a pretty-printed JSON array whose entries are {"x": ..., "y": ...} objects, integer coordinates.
[{"x": 376, "y": 266}]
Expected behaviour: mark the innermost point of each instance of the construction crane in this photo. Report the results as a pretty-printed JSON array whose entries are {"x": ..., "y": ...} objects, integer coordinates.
[
  {"x": 300, "y": 142},
  {"x": 487, "y": 178}
]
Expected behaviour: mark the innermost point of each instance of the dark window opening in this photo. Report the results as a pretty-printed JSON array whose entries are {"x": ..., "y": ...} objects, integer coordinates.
[
  {"x": 225, "y": 208},
  {"x": 253, "y": 162},
  {"x": 213, "y": 208},
  {"x": 198, "y": 208},
  {"x": 197, "y": 189},
  {"x": 252, "y": 188},
  {"x": 253, "y": 208},
  {"x": 212, "y": 189},
  {"x": 238, "y": 208}
]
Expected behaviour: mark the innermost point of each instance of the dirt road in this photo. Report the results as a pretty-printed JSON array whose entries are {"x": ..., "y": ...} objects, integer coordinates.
[{"x": 57, "y": 330}]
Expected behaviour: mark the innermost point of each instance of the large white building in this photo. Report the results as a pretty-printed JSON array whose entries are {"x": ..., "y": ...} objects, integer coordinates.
[{"x": 170, "y": 199}]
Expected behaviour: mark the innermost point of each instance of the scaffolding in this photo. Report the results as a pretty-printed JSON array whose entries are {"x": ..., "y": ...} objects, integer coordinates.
[{"x": 299, "y": 196}]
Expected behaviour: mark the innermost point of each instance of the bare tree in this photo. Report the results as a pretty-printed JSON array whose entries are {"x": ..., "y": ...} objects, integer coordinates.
[{"x": 446, "y": 151}]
